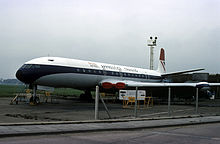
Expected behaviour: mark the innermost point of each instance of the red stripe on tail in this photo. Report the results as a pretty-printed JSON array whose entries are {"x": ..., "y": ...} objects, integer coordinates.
[{"x": 162, "y": 54}]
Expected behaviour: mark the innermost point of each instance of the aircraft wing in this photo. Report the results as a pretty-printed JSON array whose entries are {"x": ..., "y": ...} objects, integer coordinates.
[
  {"x": 146, "y": 84},
  {"x": 161, "y": 84},
  {"x": 214, "y": 84},
  {"x": 129, "y": 83},
  {"x": 181, "y": 72}
]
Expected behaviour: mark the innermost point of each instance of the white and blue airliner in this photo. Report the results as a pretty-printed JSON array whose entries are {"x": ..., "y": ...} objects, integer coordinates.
[{"x": 85, "y": 75}]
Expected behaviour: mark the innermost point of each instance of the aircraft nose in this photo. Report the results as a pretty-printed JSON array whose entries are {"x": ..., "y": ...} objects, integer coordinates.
[
  {"x": 24, "y": 75},
  {"x": 19, "y": 75},
  {"x": 28, "y": 73}
]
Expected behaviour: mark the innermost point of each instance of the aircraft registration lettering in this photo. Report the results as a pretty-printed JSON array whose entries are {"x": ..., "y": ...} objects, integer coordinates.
[
  {"x": 131, "y": 69},
  {"x": 93, "y": 65},
  {"x": 111, "y": 67}
]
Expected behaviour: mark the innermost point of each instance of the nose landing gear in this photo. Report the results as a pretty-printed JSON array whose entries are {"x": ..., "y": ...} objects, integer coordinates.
[{"x": 34, "y": 100}]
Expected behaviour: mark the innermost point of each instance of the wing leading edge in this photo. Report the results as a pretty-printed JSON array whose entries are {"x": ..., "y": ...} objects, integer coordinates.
[
  {"x": 181, "y": 72},
  {"x": 129, "y": 83}
]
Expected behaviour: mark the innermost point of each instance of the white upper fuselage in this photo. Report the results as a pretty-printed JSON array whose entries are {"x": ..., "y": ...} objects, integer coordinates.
[
  {"x": 64, "y": 72},
  {"x": 58, "y": 61}
]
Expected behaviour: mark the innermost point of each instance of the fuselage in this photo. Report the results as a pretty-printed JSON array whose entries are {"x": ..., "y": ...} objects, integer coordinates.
[{"x": 64, "y": 72}]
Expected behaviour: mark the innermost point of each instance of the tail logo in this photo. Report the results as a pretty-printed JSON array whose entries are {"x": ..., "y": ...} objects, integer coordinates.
[{"x": 163, "y": 65}]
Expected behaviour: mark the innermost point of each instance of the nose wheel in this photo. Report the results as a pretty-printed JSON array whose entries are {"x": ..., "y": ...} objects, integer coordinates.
[{"x": 34, "y": 100}]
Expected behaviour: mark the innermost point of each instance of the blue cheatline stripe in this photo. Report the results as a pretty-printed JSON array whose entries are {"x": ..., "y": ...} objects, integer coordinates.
[{"x": 31, "y": 72}]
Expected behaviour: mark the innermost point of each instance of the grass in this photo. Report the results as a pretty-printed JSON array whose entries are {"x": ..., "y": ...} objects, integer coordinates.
[
  {"x": 67, "y": 92},
  {"x": 10, "y": 90}
]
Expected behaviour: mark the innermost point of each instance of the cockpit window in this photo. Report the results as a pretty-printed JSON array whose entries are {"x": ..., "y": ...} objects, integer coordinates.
[
  {"x": 50, "y": 60},
  {"x": 23, "y": 66},
  {"x": 29, "y": 66},
  {"x": 26, "y": 66}
]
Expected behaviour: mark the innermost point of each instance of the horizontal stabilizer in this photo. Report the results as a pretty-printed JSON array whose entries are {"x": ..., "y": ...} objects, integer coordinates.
[{"x": 181, "y": 72}]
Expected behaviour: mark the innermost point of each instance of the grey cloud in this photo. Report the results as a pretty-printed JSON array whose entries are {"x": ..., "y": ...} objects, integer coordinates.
[{"x": 110, "y": 31}]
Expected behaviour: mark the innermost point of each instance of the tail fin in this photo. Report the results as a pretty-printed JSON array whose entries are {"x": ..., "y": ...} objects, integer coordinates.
[{"x": 161, "y": 65}]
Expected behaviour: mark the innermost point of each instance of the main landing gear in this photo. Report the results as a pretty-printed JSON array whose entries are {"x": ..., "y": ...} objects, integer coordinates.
[{"x": 87, "y": 96}]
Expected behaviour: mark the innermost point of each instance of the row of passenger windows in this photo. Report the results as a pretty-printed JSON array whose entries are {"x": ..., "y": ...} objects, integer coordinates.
[{"x": 111, "y": 73}]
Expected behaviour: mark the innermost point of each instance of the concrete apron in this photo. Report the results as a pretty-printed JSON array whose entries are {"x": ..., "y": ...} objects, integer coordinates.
[{"x": 39, "y": 128}]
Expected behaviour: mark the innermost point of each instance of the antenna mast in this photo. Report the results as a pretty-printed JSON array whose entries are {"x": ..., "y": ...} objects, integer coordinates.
[{"x": 151, "y": 43}]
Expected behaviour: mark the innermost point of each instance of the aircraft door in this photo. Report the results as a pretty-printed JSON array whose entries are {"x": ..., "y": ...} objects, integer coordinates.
[
  {"x": 104, "y": 71},
  {"x": 121, "y": 73}
]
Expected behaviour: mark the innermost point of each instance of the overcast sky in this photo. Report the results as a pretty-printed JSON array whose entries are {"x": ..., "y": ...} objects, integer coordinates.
[{"x": 110, "y": 31}]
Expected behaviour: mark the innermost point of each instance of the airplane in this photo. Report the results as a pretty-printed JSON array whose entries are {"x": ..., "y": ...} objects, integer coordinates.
[{"x": 85, "y": 75}]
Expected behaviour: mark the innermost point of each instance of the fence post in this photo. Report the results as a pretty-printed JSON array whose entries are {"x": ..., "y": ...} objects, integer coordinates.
[
  {"x": 97, "y": 103},
  {"x": 197, "y": 99},
  {"x": 135, "y": 108},
  {"x": 169, "y": 97}
]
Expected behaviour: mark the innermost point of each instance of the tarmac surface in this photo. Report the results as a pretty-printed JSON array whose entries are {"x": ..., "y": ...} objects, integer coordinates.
[
  {"x": 72, "y": 116},
  {"x": 74, "y": 110},
  {"x": 74, "y": 127},
  {"x": 195, "y": 134}
]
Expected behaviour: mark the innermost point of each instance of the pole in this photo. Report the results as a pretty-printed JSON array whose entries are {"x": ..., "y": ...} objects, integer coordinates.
[
  {"x": 217, "y": 92},
  {"x": 97, "y": 103},
  {"x": 151, "y": 58},
  {"x": 152, "y": 43},
  {"x": 169, "y": 97},
  {"x": 197, "y": 99},
  {"x": 135, "y": 107}
]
